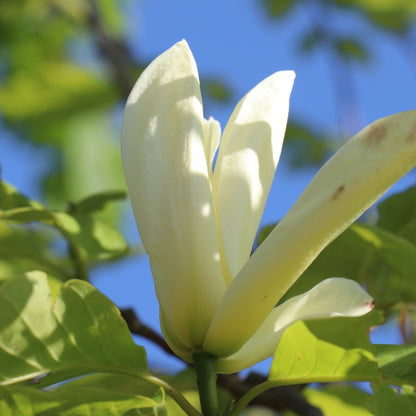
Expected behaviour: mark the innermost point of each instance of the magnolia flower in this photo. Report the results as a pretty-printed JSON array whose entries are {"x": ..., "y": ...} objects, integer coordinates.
[{"x": 198, "y": 224}]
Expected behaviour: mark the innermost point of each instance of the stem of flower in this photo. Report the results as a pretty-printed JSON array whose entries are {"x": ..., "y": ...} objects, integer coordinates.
[{"x": 206, "y": 379}]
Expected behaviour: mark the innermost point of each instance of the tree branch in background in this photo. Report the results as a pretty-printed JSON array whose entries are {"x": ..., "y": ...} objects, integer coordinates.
[
  {"x": 113, "y": 50},
  {"x": 137, "y": 327},
  {"x": 279, "y": 398}
]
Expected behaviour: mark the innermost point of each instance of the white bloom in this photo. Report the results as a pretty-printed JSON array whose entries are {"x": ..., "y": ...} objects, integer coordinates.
[{"x": 198, "y": 225}]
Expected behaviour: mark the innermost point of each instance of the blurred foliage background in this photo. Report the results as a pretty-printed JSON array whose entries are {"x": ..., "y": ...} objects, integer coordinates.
[{"x": 66, "y": 68}]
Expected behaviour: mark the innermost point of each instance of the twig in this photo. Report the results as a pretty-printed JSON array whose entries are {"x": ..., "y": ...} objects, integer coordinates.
[
  {"x": 114, "y": 50},
  {"x": 137, "y": 327}
]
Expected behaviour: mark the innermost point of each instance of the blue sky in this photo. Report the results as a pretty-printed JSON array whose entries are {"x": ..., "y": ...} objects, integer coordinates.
[{"x": 235, "y": 41}]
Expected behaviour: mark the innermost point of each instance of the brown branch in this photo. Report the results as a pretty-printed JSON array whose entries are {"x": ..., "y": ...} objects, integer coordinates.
[
  {"x": 137, "y": 327},
  {"x": 114, "y": 50}
]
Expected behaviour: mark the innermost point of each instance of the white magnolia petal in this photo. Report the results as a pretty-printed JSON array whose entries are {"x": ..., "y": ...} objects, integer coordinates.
[
  {"x": 246, "y": 163},
  {"x": 212, "y": 136},
  {"x": 330, "y": 298},
  {"x": 349, "y": 183},
  {"x": 166, "y": 170},
  {"x": 175, "y": 344}
]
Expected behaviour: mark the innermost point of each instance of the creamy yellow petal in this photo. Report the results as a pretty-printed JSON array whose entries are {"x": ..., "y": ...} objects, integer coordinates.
[
  {"x": 181, "y": 350},
  {"x": 330, "y": 298},
  {"x": 350, "y": 182},
  {"x": 246, "y": 163},
  {"x": 165, "y": 164},
  {"x": 212, "y": 135}
]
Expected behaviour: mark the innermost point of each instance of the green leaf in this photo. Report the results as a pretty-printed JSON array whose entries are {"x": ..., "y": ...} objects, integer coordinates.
[
  {"x": 307, "y": 146},
  {"x": 93, "y": 238},
  {"x": 339, "y": 400},
  {"x": 215, "y": 89},
  {"x": 97, "y": 239},
  {"x": 326, "y": 350},
  {"x": 24, "y": 249},
  {"x": 389, "y": 402},
  {"x": 393, "y": 15},
  {"x": 277, "y": 8},
  {"x": 398, "y": 214},
  {"x": 398, "y": 363},
  {"x": 79, "y": 332},
  {"x": 90, "y": 161},
  {"x": 97, "y": 202},
  {"x": 10, "y": 198},
  {"x": 352, "y": 50},
  {"x": 77, "y": 401},
  {"x": 47, "y": 96}
]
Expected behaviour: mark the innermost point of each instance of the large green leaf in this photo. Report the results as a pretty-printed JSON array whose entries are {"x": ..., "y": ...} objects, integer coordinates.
[
  {"x": 326, "y": 350},
  {"x": 78, "y": 332},
  {"x": 42, "y": 98},
  {"x": 390, "y": 402},
  {"x": 339, "y": 400},
  {"x": 398, "y": 363},
  {"x": 23, "y": 249},
  {"x": 90, "y": 160},
  {"x": 93, "y": 238},
  {"x": 11, "y": 198},
  {"x": 398, "y": 214},
  {"x": 78, "y": 401}
]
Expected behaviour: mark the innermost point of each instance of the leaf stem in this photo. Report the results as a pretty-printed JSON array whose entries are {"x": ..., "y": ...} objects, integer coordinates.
[
  {"x": 206, "y": 379},
  {"x": 175, "y": 394}
]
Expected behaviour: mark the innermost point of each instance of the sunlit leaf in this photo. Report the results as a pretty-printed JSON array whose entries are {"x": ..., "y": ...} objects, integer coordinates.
[
  {"x": 90, "y": 161},
  {"x": 10, "y": 198},
  {"x": 23, "y": 249},
  {"x": 43, "y": 101},
  {"x": 326, "y": 350},
  {"x": 97, "y": 202},
  {"x": 339, "y": 400},
  {"x": 93, "y": 237},
  {"x": 76, "y": 401},
  {"x": 79, "y": 332},
  {"x": 394, "y": 15}
]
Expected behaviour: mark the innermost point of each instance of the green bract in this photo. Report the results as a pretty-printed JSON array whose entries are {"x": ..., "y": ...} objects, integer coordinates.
[{"x": 198, "y": 224}]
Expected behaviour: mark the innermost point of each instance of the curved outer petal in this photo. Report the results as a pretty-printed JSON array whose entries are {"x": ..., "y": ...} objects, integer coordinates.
[
  {"x": 330, "y": 298},
  {"x": 166, "y": 168},
  {"x": 173, "y": 341},
  {"x": 351, "y": 181},
  {"x": 247, "y": 159}
]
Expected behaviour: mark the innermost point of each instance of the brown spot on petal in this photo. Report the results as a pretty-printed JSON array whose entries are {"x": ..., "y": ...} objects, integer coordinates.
[
  {"x": 412, "y": 134},
  {"x": 337, "y": 193},
  {"x": 370, "y": 305},
  {"x": 376, "y": 134}
]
